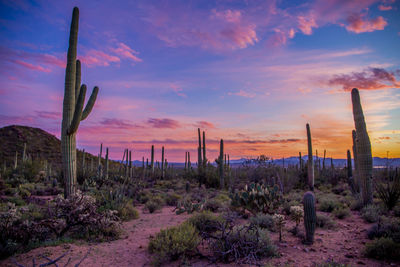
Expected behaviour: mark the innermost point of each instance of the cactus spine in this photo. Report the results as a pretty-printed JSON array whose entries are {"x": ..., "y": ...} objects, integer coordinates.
[
  {"x": 363, "y": 148},
  {"x": 73, "y": 112},
  {"x": 310, "y": 160},
  {"x": 221, "y": 164},
  {"x": 310, "y": 217}
]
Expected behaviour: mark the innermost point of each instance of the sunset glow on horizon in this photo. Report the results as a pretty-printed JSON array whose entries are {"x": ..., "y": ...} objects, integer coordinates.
[{"x": 250, "y": 72}]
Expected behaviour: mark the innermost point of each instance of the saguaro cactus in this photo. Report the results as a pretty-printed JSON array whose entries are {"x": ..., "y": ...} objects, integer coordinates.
[
  {"x": 221, "y": 164},
  {"x": 310, "y": 160},
  {"x": 73, "y": 112},
  {"x": 204, "y": 150},
  {"x": 106, "y": 167},
  {"x": 199, "y": 160},
  {"x": 363, "y": 148},
  {"x": 152, "y": 160},
  {"x": 310, "y": 217},
  {"x": 300, "y": 161},
  {"x": 162, "y": 163},
  {"x": 355, "y": 175}
]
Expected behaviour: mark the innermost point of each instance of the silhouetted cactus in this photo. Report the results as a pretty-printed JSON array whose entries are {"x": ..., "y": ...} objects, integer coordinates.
[
  {"x": 199, "y": 159},
  {"x": 310, "y": 160},
  {"x": 73, "y": 112},
  {"x": 106, "y": 165},
  {"x": 363, "y": 147},
  {"x": 310, "y": 217},
  {"x": 221, "y": 164},
  {"x": 204, "y": 150},
  {"x": 162, "y": 163},
  {"x": 152, "y": 160}
]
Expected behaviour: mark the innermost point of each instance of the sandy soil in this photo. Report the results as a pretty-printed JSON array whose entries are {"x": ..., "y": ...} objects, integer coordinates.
[{"x": 344, "y": 245}]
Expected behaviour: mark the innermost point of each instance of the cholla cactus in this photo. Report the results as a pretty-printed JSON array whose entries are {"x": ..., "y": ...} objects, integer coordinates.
[
  {"x": 279, "y": 221},
  {"x": 296, "y": 213},
  {"x": 258, "y": 198}
]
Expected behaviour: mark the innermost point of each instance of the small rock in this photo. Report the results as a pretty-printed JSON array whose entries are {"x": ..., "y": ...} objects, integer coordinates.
[{"x": 306, "y": 249}]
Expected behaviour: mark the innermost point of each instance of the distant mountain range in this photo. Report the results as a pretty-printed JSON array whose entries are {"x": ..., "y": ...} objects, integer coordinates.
[{"x": 44, "y": 145}]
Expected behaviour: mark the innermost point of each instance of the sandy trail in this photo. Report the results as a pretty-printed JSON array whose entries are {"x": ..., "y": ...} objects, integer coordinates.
[{"x": 343, "y": 244}]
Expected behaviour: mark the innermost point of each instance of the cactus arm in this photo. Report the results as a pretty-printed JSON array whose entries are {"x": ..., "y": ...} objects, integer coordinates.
[
  {"x": 78, "y": 111},
  {"x": 310, "y": 159},
  {"x": 77, "y": 79},
  {"x": 90, "y": 103}
]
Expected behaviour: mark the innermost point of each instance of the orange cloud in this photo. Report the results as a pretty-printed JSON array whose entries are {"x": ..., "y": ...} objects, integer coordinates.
[
  {"x": 306, "y": 24},
  {"x": 358, "y": 24}
]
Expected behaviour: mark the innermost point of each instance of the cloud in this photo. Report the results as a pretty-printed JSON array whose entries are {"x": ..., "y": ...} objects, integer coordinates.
[
  {"x": 204, "y": 124},
  {"x": 125, "y": 51},
  {"x": 359, "y": 24},
  {"x": 384, "y": 8},
  {"x": 98, "y": 58},
  {"x": 178, "y": 90},
  {"x": 243, "y": 93},
  {"x": 117, "y": 123},
  {"x": 306, "y": 24},
  {"x": 241, "y": 36},
  {"x": 31, "y": 66},
  {"x": 49, "y": 115},
  {"x": 369, "y": 79},
  {"x": 163, "y": 123}
]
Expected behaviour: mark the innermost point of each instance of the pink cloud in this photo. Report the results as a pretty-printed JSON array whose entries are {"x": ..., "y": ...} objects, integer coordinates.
[
  {"x": 370, "y": 79},
  {"x": 228, "y": 15},
  {"x": 243, "y": 93},
  {"x": 204, "y": 124},
  {"x": 279, "y": 38},
  {"x": 163, "y": 123},
  {"x": 125, "y": 51},
  {"x": 178, "y": 90},
  {"x": 358, "y": 24},
  {"x": 117, "y": 123},
  {"x": 98, "y": 58},
  {"x": 49, "y": 115},
  {"x": 31, "y": 66},
  {"x": 241, "y": 36},
  {"x": 306, "y": 24},
  {"x": 384, "y": 8}
]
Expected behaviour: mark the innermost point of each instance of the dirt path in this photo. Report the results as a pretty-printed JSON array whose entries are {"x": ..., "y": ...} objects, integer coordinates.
[
  {"x": 130, "y": 250},
  {"x": 343, "y": 244}
]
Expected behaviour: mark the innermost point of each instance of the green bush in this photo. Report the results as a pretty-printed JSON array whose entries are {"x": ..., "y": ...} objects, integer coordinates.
[
  {"x": 385, "y": 227},
  {"x": 325, "y": 221},
  {"x": 172, "y": 199},
  {"x": 341, "y": 212},
  {"x": 383, "y": 249},
  {"x": 214, "y": 205},
  {"x": 152, "y": 206},
  {"x": 264, "y": 221},
  {"x": 205, "y": 222},
  {"x": 288, "y": 204},
  {"x": 371, "y": 213},
  {"x": 328, "y": 203},
  {"x": 128, "y": 212},
  {"x": 241, "y": 242},
  {"x": 173, "y": 243}
]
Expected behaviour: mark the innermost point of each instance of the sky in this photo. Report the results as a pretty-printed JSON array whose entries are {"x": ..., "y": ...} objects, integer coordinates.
[{"x": 250, "y": 72}]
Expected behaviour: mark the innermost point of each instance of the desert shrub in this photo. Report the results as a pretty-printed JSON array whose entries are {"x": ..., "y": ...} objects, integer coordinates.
[
  {"x": 144, "y": 196},
  {"x": 357, "y": 204},
  {"x": 383, "y": 249},
  {"x": 388, "y": 190},
  {"x": 264, "y": 221},
  {"x": 152, "y": 206},
  {"x": 341, "y": 212},
  {"x": 243, "y": 243},
  {"x": 328, "y": 203},
  {"x": 371, "y": 213},
  {"x": 172, "y": 199},
  {"x": 214, "y": 205},
  {"x": 325, "y": 221},
  {"x": 17, "y": 201},
  {"x": 385, "y": 228},
  {"x": 205, "y": 222},
  {"x": 128, "y": 212},
  {"x": 288, "y": 204},
  {"x": 79, "y": 216},
  {"x": 173, "y": 243},
  {"x": 396, "y": 211}
]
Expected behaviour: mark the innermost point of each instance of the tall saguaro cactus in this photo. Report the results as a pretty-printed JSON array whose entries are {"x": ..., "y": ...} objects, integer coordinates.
[
  {"x": 310, "y": 160},
  {"x": 199, "y": 160},
  {"x": 221, "y": 164},
  {"x": 310, "y": 217},
  {"x": 152, "y": 160},
  {"x": 73, "y": 112},
  {"x": 162, "y": 163},
  {"x": 355, "y": 175},
  {"x": 204, "y": 150},
  {"x": 363, "y": 148}
]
